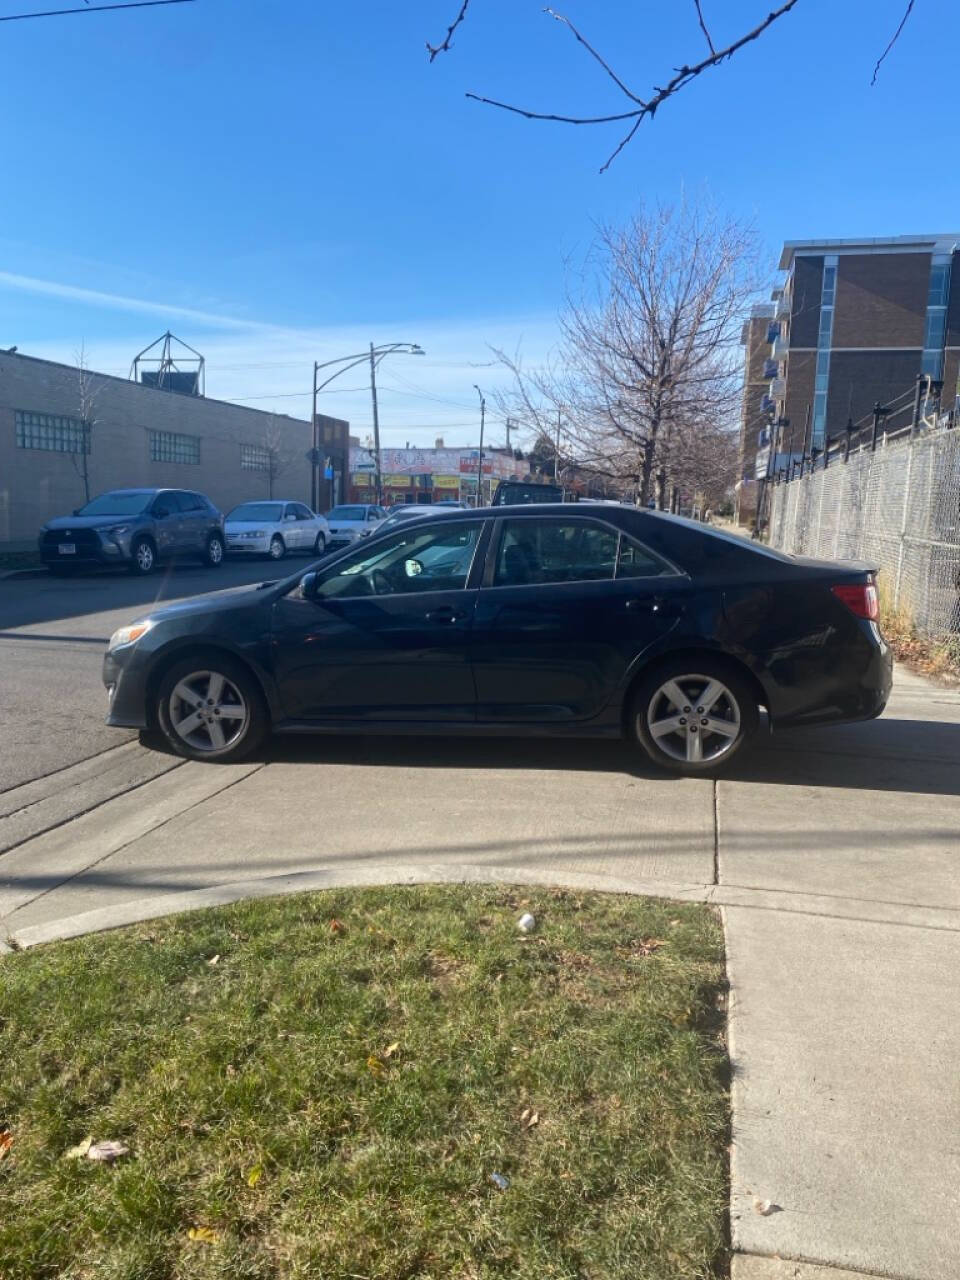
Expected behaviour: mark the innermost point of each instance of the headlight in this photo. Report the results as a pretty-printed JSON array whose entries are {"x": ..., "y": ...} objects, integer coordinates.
[
  {"x": 254, "y": 533},
  {"x": 129, "y": 635},
  {"x": 118, "y": 529}
]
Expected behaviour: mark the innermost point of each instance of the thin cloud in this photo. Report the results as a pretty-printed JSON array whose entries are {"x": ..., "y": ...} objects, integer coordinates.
[{"x": 118, "y": 302}]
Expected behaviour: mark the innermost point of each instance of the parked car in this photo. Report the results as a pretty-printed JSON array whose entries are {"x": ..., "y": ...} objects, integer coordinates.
[
  {"x": 137, "y": 528},
  {"x": 274, "y": 528},
  {"x": 352, "y": 521},
  {"x": 400, "y": 514},
  {"x": 513, "y": 492},
  {"x": 532, "y": 620}
]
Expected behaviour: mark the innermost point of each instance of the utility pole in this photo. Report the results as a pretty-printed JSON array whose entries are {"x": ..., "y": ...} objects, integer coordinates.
[
  {"x": 314, "y": 485},
  {"x": 483, "y": 412},
  {"x": 378, "y": 478},
  {"x": 556, "y": 465},
  {"x": 509, "y": 425}
]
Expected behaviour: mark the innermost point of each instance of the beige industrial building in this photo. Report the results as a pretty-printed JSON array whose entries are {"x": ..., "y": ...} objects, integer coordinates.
[{"x": 64, "y": 432}]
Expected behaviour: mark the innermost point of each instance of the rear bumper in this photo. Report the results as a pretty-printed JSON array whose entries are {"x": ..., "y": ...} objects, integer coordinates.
[{"x": 856, "y": 685}]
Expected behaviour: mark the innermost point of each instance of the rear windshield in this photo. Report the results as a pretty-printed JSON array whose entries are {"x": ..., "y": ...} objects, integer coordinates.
[
  {"x": 117, "y": 504},
  {"x": 516, "y": 494},
  {"x": 256, "y": 511},
  {"x": 732, "y": 539},
  {"x": 347, "y": 513}
]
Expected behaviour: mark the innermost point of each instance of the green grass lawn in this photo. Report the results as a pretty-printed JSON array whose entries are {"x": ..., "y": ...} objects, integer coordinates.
[{"x": 322, "y": 1086}]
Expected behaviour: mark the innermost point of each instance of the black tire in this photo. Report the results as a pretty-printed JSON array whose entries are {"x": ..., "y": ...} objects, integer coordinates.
[
  {"x": 320, "y": 546},
  {"x": 242, "y": 733},
  {"x": 693, "y": 747},
  {"x": 278, "y": 548},
  {"x": 214, "y": 552},
  {"x": 143, "y": 557}
]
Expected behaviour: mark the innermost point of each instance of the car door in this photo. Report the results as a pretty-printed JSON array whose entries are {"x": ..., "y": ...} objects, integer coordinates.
[
  {"x": 307, "y": 526},
  {"x": 195, "y": 521},
  {"x": 290, "y": 527},
  {"x": 384, "y": 634},
  {"x": 567, "y": 605},
  {"x": 168, "y": 522}
]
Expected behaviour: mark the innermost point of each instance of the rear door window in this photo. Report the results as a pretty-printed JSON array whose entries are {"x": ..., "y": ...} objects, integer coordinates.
[
  {"x": 638, "y": 561},
  {"x": 537, "y": 552}
]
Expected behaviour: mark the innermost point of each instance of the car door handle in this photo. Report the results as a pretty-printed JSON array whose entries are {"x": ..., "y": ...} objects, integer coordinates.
[
  {"x": 646, "y": 604},
  {"x": 444, "y": 614}
]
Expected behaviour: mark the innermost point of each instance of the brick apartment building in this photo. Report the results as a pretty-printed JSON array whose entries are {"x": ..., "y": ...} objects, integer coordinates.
[
  {"x": 755, "y": 338},
  {"x": 856, "y": 322},
  {"x": 128, "y": 434}
]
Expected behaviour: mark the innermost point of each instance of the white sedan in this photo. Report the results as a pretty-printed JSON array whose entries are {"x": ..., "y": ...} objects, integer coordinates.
[
  {"x": 352, "y": 521},
  {"x": 274, "y": 528}
]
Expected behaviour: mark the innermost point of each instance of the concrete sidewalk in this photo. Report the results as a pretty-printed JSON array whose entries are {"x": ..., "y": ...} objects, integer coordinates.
[{"x": 833, "y": 854}]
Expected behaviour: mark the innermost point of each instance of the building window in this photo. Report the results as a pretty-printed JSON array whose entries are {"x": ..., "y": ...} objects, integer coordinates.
[
  {"x": 253, "y": 457},
  {"x": 935, "y": 329},
  {"x": 171, "y": 446},
  {"x": 828, "y": 297},
  {"x": 45, "y": 431}
]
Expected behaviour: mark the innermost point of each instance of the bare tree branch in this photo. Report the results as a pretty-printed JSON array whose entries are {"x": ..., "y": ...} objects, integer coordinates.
[
  {"x": 703, "y": 26},
  {"x": 445, "y": 44},
  {"x": 593, "y": 53},
  {"x": 896, "y": 37}
]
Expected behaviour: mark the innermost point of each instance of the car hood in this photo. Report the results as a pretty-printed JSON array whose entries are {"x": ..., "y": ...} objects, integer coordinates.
[
  {"x": 215, "y": 602},
  {"x": 346, "y": 526},
  {"x": 89, "y": 522},
  {"x": 240, "y": 526}
]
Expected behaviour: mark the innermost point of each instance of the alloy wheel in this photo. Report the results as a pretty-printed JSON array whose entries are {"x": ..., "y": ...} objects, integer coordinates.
[
  {"x": 208, "y": 712},
  {"x": 145, "y": 557},
  {"x": 277, "y": 549},
  {"x": 214, "y": 550},
  {"x": 694, "y": 719}
]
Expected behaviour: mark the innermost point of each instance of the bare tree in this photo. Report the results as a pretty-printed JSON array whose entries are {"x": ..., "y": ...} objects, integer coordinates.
[
  {"x": 277, "y": 450},
  {"x": 87, "y": 392},
  {"x": 640, "y": 107},
  {"x": 645, "y": 385}
]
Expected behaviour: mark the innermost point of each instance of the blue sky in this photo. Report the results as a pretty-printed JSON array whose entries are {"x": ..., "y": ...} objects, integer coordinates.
[{"x": 284, "y": 180}]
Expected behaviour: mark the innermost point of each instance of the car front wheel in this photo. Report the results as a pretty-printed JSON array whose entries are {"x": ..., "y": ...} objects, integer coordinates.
[
  {"x": 143, "y": 557},
  {"x": 320, "y": 546},
  {"x": 692, "y": 717},
  {"x": 278, "y": 548},
  {"x": 211, "y": 709},
  {"x": 213, "y": 556}
]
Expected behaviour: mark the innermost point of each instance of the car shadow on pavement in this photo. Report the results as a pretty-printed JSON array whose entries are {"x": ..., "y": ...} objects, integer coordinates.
[{"x": 912, "y": 756}]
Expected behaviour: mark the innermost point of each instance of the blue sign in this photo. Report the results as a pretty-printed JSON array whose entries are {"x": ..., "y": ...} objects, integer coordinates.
[{"x": 328, "y": 473}]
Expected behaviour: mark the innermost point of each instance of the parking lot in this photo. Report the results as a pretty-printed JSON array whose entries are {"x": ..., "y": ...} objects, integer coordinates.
[{"x": 833, "y": 853}]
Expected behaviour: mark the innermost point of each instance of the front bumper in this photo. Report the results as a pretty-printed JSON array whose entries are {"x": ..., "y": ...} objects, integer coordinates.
[
  {"x": 254, "y": 546},
  {"x": 125, "y": 679},
  {"x": 102, "y": 551}
]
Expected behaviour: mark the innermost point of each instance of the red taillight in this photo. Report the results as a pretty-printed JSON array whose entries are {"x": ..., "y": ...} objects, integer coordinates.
[{"x": 860, "y": 598}]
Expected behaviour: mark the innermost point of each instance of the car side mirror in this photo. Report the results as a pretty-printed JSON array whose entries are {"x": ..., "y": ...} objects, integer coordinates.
[
  {"x": 76, "y": 511},
  {"x": 290, "y": 517},
  {"x": 309, "y": 584}
]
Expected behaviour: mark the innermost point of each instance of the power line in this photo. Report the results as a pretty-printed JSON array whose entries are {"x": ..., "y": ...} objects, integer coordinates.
[{"x": 92, "y": 8}]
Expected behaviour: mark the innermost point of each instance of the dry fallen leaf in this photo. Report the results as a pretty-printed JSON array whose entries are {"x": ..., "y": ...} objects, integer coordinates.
[
  {"x": 336, "y": 926},
  {"x": 392, "y": 1050},
  {"x": 6, "y": 1142},
  {"x": 107, "y": 1152},
  {"x": 214, "y": 960},
  {"x": 765, "y": 1207},
  {"x": 255, "y": 1174},
  {"x": 203, "y": 1235},
  {"x": 375, "y": 1066},
  {"x": 529, "y": 1118}
]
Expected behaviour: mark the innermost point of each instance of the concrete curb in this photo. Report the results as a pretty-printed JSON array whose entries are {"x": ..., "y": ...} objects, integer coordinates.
[
  {"x": 358, "y": 875},
  {"x": 24, "y": 573}
]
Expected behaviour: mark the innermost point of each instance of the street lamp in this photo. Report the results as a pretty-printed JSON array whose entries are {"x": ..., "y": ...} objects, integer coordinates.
[{"x": 374, "y": 355}]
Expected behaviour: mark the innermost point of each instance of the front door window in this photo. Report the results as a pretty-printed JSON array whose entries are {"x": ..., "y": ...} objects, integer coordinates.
[{"x": 408, "y": 563}]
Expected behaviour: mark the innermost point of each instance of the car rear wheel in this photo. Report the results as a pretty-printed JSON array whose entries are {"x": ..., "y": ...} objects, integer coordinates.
[
  {"x": 692, "y": 717},
  {"x": 211, "y": 709},
  {"x": 143, "y": 557},
  {"x": 213, "y": 556},
  {"x": 320, "y": 546},
  {"x": 278, "y": 548}
]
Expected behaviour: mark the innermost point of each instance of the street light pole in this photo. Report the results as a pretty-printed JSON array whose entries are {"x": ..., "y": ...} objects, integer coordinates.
[
  {"x": 314, "y": 480},
  {"x": 378, "y": 478},
  {"x": 483, "y": 411}
]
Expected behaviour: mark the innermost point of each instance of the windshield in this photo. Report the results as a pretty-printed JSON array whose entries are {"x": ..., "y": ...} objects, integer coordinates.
[
  {"x": 256, "y": 511},
  {"x": 347, "y": 513},
  {"x": 117, "y": 504}
]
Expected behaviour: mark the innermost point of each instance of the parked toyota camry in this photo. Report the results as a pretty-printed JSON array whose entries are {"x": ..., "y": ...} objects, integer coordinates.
[
  {"x": 274, "y": 528},
  {"x": 516, "y": 620}
]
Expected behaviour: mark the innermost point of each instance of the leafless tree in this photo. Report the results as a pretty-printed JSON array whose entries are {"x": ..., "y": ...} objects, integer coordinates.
[
  {"x": 88, "y": 389},
  {"x": 277, "y": 450},
  {"x": 640, "y": 107},
  {"x": 645, "y": 384}
]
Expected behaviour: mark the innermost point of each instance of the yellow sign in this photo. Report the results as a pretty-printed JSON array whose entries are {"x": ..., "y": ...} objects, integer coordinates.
[
  {"x": 446, "y": 482},
  {"x": 397, "y": 482}
]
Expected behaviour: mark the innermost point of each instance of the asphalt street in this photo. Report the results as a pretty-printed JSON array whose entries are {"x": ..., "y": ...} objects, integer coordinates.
[{"x": 52, "y": 635}]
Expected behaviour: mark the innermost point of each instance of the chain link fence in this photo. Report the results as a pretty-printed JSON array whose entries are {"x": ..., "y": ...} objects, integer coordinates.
[{"x": 897, "y": 507}]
